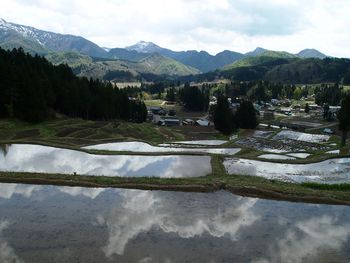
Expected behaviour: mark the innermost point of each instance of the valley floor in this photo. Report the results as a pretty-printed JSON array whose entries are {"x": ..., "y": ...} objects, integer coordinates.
[{"x": 75, "y": 133}]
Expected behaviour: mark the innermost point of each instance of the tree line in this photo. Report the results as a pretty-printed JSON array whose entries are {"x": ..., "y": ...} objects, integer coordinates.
[
  {"x": 194, "y": 98},
  {"x": 266, "y": 90},
  {"x": 32, "y": 89},
  {"x": 228, "y": 121}
]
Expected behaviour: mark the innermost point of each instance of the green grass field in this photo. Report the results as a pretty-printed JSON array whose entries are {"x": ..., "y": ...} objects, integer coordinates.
[{"x": 74, "y": 133}]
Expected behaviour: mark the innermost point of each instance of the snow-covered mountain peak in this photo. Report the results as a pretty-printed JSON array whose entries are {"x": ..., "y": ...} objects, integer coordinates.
[
  {"x": 48, "y": 40},
  {"x": 144, "y": 47}
]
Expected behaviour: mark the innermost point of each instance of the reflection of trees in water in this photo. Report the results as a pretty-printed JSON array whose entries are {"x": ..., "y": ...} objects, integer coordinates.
[{"x": 4, "y": 148}]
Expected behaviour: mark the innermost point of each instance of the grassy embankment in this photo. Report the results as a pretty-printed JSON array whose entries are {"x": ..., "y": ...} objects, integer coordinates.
[{"x": 72, "y": 133}]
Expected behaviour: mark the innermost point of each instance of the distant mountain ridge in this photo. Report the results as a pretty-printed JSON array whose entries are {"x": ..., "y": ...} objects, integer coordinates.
[
  {"x": 311, "y": 53},
  {"x": 154, "y": 63},
  {"x": 201, "y": 60},
  {"x": 14, "y": 35},
  {"x": 285, "y": 70},
  {"x": 205, "y": 62},
  {"x": 43, "y": 42}
]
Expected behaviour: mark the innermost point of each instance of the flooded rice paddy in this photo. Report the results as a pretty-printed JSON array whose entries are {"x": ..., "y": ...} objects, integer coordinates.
[
  {"x": 284, "y": 142},
  {"x": 204, "y": 142},
  {"x": 44, "y": 159},
  {"x": 73, "y": 224},
  {"x": 143, "y": 147},
  {"x": 331, "y": 171},
  {"x": 288, "y": 156},
  {"x": 301, "y": 136}
]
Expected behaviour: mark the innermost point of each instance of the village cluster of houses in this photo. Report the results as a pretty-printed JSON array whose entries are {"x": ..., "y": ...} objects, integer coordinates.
[
  {"x": 266, "y": 110},
  {"x": 163, "y": 117}
]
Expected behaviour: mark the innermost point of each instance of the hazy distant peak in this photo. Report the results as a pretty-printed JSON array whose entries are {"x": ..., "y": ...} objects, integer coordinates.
[
  {"x": 144, "y": 47},
  {"x": 311, "y": 53},
  {"x": 145, "y": 43},
  {"x": 259, "y": 49},
  {"x": 107, "y": 49},
  {"x": 256, "y": 52}
]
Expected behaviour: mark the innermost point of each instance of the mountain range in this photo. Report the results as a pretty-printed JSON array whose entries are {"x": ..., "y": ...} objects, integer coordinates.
[{"x": 89, "y": 59}]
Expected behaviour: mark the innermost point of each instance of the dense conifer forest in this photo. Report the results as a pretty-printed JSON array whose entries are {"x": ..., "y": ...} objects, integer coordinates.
[{"x": 33, "y": 89}]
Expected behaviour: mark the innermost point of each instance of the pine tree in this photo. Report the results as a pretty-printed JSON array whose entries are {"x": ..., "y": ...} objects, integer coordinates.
[
  {"x": 246, "y": 115},
  {"x": 344, "y": 118},
  {"x": 170, "y": 94},
  {"x": 224, "y": 119}
]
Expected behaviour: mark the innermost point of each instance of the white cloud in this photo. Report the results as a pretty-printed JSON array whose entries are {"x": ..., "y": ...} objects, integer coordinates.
[
  {"x": 213, "y": 25},
  {"x": 306, "y": 240},
  {"x": 143, "y": 210},
  {"x": 8, "y": 190},
  {"x": 7, "y": 253}
]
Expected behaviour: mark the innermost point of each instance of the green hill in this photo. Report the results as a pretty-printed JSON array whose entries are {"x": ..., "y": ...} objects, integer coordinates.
[
  {"x": 11, "y": 40},
  {"x": 264, "y": 57},
  {"x": 72, "y": 59},
  {"x": 153, "y": 64},
  {"x": 290, "y": 70},
  {"x": 157, "y": 64}
]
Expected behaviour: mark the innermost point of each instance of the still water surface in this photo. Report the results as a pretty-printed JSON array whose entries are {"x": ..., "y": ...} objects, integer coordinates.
[
  {"x": 139, "y": 147},
  {"x": 332, "y": 171},
  {"x": 44, "y": 159},
  {"x": 72, "y": 224}
]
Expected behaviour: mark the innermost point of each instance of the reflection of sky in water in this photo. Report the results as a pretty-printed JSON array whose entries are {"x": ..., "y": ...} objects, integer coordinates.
[
  {"x": 7, "y": 254},
  {"x": 330, "y": 171},
  {"x": 35, "y": 158},
  {"x": 145, "y": 147},
  {"x": 203, "y": 142},
  {"x": 61, "y": 224},
  {"x": 301, "y": 136}
]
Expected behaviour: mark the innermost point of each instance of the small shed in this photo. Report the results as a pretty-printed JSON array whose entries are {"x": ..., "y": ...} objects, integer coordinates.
[{"x": 203, "y": 122}]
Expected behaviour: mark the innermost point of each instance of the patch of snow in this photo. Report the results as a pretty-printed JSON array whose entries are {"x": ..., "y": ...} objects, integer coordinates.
[
  {"x": 299, "y": 155},
  {"x": 180, "y": 145},
  {"x": 233, "y": 137},
  {"x": 263, "y": 125},
  {"x": 333, "y": 152},
  {"x": 203, "y": 142},
  {"x": 276, "y": 157}
]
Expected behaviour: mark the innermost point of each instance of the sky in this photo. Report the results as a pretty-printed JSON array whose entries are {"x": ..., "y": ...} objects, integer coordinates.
[{"x": 211, "y": 25}]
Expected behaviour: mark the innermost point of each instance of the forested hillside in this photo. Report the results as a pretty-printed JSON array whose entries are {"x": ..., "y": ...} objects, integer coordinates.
[
  {"x": 283, "y": 70},
  {"x": 33, "y": 89}
]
